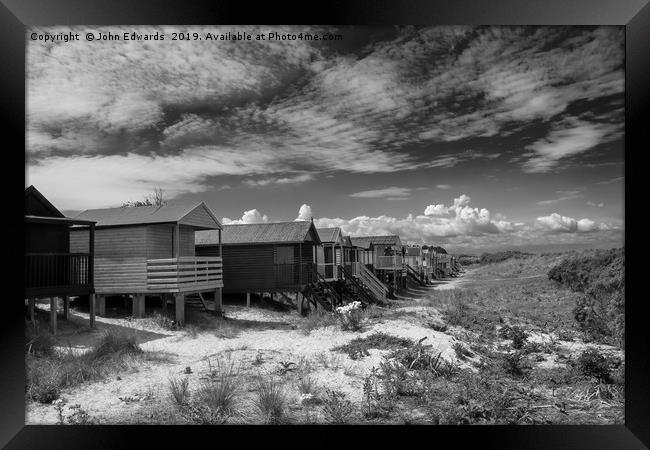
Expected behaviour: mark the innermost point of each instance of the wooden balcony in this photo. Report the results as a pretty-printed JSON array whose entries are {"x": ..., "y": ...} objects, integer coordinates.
[
  {"x": 184, "y": 274},
  {"x": 54, "y": 274},
  {"x": 389, "y": 262},
  {"x": 329, "y": 271}
]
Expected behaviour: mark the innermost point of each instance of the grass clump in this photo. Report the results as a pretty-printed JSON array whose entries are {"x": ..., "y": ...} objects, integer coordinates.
[
  {"x": 337, "y": 409},
  {"x": 271, "y": 401},
  {"x": 179, "y": 391},
  {"x": 318, "y": 318},
  {"x": 358, "y": 347},
  {"x": 591, "y": 363}
]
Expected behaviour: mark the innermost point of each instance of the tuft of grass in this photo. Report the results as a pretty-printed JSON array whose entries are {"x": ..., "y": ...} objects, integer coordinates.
[
  {"x": 318, "y": 318},
  {"x": 49, "y": 373},
  {"x": 179, "y": 391},
  {"x": 336, "y": 408},
  {"x": 358, "y": 347},
  {"x": 461, "y": 351},
  {"x": 591, "y": 363},
  {"x": 306, "y": 385},
  {"x": 271, "y": 401}
]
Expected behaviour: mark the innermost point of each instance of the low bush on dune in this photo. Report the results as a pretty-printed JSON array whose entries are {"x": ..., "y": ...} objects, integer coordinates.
[
  {"x": 49, "y": 371},
  {"x": 491, "y": 258},
  {"x": 358, "y": 348},
  {"x": 599, "y": 276}
]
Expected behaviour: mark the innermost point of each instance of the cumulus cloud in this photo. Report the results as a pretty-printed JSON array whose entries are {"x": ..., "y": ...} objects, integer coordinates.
[
  {"x": 557, "y": 223},
  {"x": 598, "y": 205},
  {"x": 250, "y": 216},
  {"x": 304, "y": 213},
  {"x": 279, "y": 180},
  {"x": 443, "y": 186}
]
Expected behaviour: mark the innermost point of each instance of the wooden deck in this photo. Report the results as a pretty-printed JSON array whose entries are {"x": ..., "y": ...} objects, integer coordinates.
[
  {"x": 389, "y": 262},
  {"x": 57, "y": 274}
]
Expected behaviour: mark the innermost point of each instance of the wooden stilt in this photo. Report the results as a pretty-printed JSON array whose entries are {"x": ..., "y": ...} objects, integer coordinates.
[
  {"x": 164, "y": 299},
  {"x": 218, "y": 301},
  {"x": 248, "y": 299},
  {"x": 66, "y": 307},
  {"x": 53, "y": 303},
  {"x": 100, "y": 305},
  {"x": 299, "y": 303},
  {"x": 91, "y": 307},
  {"x": 31, "y": 304},
  {"x": 138, "y": 305},
  {"x": 179, "y": 304}
]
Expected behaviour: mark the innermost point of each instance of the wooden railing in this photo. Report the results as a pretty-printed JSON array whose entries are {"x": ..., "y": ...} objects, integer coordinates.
[
  {"x": 328, "y": 270},
  {"x": 389, "y": 262},
  {"x": 57, "y": 273},
  {"x": 186, "y": 273},
  {"x": 293, "y": 274},
  {"x": 377, "y": 288}
]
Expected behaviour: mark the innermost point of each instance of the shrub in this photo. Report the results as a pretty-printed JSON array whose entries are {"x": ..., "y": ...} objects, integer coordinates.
[
  {"x": 514, "y": 363},
  {"x": 515, "y": 333},
  {"x": 43, "y": 379},
  {"x": 415, "y": 357},
  {"x": 350, "y": 316},
  {"x": 306, "y": 385},
  {"x": 318, "y": 318},
  {"x": 112, "y": 343},
  {"x": 178, "y": 391},
  {"x": 591, "y": 363},
  {"x": 337, "y": 409},
  {"x": 376, "y": 403},
  {"x": 358, "y": 347},
  {"x": 219, "y": 388},
  {"x": 461, "y": 351},
  {"x": 271, "y": 401}
]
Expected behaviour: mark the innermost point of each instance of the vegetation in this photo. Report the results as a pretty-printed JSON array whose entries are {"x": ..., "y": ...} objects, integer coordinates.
[
  {"x": 271, "y": 401},
  {"x": 599, "y": 276},
  {"x": 155, "y": 198},
  {"x": 491, "y": 258},
  {"x": 358, "y": 348}
]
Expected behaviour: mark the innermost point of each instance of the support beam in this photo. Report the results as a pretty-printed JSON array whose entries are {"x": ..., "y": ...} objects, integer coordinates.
[
  {"x": 100, "y": 305},
  {"x": 218, "y": 301},
  {"x": 299, "y": 303},
  {"x": 53, "y": 303},
  {"x": 66, "y": 307},
  {"x": 163, "y": 298},
  {"x": 179, "y": 304},
  {"x": 91, "y": 307},
  {"x": 31, "y": 302},
  {"x": 248, "y": 299},
  {"x": 138, "y": 305}
]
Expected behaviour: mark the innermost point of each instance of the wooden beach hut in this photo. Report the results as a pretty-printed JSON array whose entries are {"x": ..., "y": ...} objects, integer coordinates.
[
  {"x": 264, "y": 257},
  {"x": 149, "y": 251},
  {"x": 386, "y": 258},
  {"x": 330, "y": 252},
  {"x": 52, "y": 270}
]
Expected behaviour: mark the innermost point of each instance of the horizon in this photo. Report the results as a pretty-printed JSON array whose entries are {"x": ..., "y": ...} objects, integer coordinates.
[{"x": 477, "y": 139}]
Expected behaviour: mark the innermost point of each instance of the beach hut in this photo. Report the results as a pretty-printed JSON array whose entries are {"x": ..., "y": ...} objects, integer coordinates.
[
  {"x": 149, "y": 251},
  {"x": 384, "y": 256},
  {"x": 330, "y": 252},
  {"x": 264, "y": 257},
  {"x": 52, "y": 270}
]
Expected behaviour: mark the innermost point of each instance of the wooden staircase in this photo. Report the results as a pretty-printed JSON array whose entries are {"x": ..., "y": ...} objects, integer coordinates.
[
  {"x": 354, "y": 290},
  {"x": 414, "y": 275},
  {"x": 323, "y": 293}
]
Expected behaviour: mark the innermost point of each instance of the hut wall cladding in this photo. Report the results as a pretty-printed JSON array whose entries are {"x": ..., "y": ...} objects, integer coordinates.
[
  {"x": 186, "y": 241},
  {"x": 246, "y": 268},
  {"x": 160, "y": 241},
  {"x": 120, "y": 258},
  {"x": 200, "y": 218}
]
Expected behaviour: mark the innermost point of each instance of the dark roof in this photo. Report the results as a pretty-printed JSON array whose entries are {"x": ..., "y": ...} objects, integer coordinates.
[
  {"x": 260, "y": 233},
  {"x": 328, "y": 234},
  {"x": 365, "y": 241},
  {"x": 413, "y": 251},
  {"x": 171, "y": 212},
  {"x": 45, "y": 206}
]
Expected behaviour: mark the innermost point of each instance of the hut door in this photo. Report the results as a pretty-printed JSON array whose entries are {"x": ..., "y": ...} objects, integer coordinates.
[{"x": 284, "y": 262}]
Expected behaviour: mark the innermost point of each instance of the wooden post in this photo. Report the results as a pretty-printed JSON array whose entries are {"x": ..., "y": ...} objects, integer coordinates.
[
  {"x": 31, "y": 301},
  {"x": 248, "y": 299},
  {"x": 66, "y": 307},
  {"x": 100, "y": 305},
  {"x": 53, "y": 314},
  {"x": 163, "y": 297},
  {"x": 179, "y": 304},
  {"x": 177, "y": 236},
  {"x": 300, "y": 264},
  {"x": 91, "y": 307},
  {"x": 218, "y": 301},
  {"x": 138, "y": 305},
  {"x": 299, "y": 303}
]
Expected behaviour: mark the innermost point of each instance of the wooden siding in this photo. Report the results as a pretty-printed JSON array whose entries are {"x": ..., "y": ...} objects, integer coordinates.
[
  {"x": 187, "y": 241},
  {"x": 126, "y": 275},
  {"x": 119, "y": 242},
  {"x": 199, "y": 217},
  {"x": 160, "y": 241}
]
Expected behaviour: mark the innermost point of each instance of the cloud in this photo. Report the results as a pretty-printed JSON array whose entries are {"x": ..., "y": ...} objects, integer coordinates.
[
  {"x": 443, "y": 186},
  {"x": 557, "y": 223},
  {"x": 393, "y": 192},
  {"x": 436, "y": 210},
  {"x": 280, "y": 180},
  {"x": 304, "y": 213},
  {"x": 564, "y": 141},
  {"x": 566, "y": 195},
  {"x": 251, "y": 216},
  {"x": 598, "y": 205}
]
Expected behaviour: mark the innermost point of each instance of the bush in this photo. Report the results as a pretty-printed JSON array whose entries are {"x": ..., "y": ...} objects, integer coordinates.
[
  {"x": 461, "y": 351},
  {"x": 350, "y": 316},
  {"x": 591, "y": 363},
  {"x": 515, "y": 333},
  {"x": 358, "y": 347},
  {"x": 416, "y": 357},
  {"x": 514, "y": 363},
  {"x": 491, "y": 258},
  {"x": 271, "y": 401},
  {"x": 337, "y": 409},
  {"x": 318, "y": 318}
]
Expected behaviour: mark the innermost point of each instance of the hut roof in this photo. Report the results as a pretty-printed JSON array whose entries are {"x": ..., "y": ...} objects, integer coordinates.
[
  {"x": 194, "y": 214},
  {"x": 329, "y": 234},
  {"x": 367, "y": 241},
  {"x": 260, "y": 233}
]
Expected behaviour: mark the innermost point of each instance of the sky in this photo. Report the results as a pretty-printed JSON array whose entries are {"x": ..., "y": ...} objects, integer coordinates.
[{"x": 473, "y": 138}]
